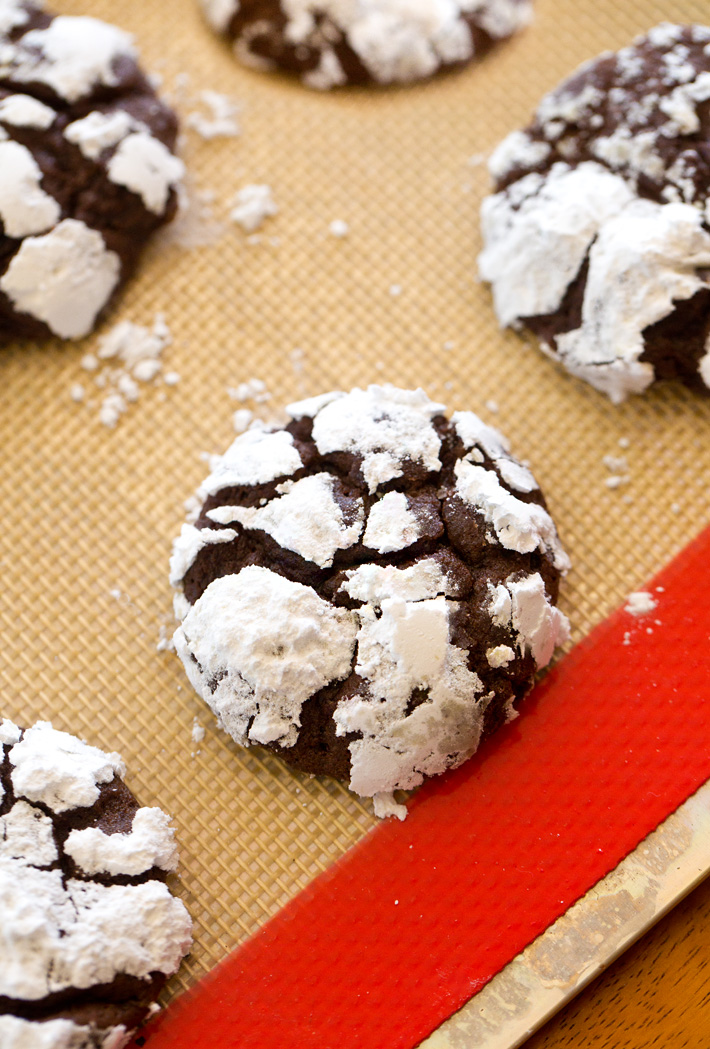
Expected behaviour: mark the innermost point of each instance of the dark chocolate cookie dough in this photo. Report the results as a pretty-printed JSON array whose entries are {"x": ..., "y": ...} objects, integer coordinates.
[
  {"x": 369, "y": 591},
  {"x": 598, "y": 235},
  {"x": 87, "y": 171},
  {"x": 90, "y": 931},
  {"x": 332, "y": 42}
]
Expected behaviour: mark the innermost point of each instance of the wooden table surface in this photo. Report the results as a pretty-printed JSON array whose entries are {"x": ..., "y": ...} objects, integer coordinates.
[{"x": 657, "y": 994}]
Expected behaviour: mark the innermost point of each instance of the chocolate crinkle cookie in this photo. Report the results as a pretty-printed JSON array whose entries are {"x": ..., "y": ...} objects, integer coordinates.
[
  {"x": 370, "y": 590},
  {"x": 598, "y": 235},
  {"x": 87, "y": 171},
  {"x": 89, "y": 929},
  {"x": 332, "y": 42}
]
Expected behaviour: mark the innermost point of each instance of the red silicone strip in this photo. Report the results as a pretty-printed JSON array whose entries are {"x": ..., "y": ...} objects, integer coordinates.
[{"x": 396, "y": 936}]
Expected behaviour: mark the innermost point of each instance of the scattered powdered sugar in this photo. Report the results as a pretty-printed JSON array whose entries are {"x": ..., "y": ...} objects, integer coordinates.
[
  {"x": 128, "y": 356},
  {"x": 640, "y": 603},
  {"x": 252, "y": 205},
  {"x": 338, "y": 228},
  {"x": 254, "y": 674},
  {"x": 220, "y": 118},
  {"x": 149, "y": 843}
]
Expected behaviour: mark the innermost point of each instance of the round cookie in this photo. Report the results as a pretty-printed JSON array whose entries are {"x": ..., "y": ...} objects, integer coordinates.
[
  {"x": 597, "y": 238},
  {"x": 90, "y": 931},
  {"x": 87, "y": 171},
  {"x": 332, "y": 42},
  {"x": 369, "y": 591}
]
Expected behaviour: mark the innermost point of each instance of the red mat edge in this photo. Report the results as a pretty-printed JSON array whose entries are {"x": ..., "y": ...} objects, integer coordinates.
[{"x": 393, "y": 938}]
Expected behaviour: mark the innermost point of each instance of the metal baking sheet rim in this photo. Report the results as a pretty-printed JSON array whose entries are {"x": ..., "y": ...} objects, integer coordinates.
[{"x": 592, "y": 934}]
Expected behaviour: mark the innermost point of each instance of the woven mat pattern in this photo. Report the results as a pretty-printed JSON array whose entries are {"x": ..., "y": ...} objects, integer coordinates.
[{"x": 89, "y": 513}]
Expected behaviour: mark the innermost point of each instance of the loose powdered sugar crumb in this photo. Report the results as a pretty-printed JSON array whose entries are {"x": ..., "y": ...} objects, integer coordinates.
[{"x": 640, "y": 603}]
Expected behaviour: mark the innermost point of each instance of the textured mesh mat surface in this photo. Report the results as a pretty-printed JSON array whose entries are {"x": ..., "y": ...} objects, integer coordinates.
[{"x": 88, "y": 513}]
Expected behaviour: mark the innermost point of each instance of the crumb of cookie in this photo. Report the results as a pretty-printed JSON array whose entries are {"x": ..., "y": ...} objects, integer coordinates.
[
  {"x": 87, "y": 169},
  {"x": 81, "y": 862},
  {"x": 252, "y": 205},
  {"x": 368, "y": 590},
  {"x": 338, "y": 228},
  {"x": 640, "y": 603},
  {"x": 220, "y": 120},
  {"x": 241, "y": 419},
  {"x": 597, "y": 236},
  {"x": 393, "y": 41}
]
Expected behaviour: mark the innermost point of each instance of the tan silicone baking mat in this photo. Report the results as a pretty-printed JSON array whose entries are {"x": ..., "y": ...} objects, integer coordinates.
[{"x": 88, "y": 513}]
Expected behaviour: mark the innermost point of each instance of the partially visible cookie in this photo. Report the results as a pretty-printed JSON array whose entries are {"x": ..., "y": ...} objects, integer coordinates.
[
  {"x": 332, "y": 42},
  {"x": 369, "y": 591},
  {"x": 90, "y": 931},
  {"x": 598, "y": 235},
  {"x": 87, "y": 169}
]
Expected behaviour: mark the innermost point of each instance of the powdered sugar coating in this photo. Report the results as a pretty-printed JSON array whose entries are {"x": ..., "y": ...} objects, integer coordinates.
[
  {"x": 255, "y": 457},
  {"x": 519, "y": 526},
  {"x": 64, "y": 278},
  {"x": 188, "y": 545},
  {"x": 149, "y": 843},
  {"x": 59, "y": 770},
  {"x": 12, "y": 14},
  {"x": 147, "y": 167},
  {"x": 25, "y": 208},
  {"x": 612, "y": 284},
  {"x": 329, "y": 42},
  {"x": 71, "y": 56},
  {"x": 336, "y": 620},
  {"x": 391, "y": 525},
  {"x": 26, "y": 833},
  {"x": 16, "y": 1033},
  {"x": 64, "y": 934},
  {"x": 25, "y": 111},
  {"x": 256, "y": 646},
  {"x": 306, "y": 518},
  {"x": 73, "y": 924},
  {"x": 384, "y": 426}
]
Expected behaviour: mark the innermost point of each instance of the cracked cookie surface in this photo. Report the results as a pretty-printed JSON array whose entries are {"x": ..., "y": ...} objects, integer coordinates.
[
  {"x": 328, "y": 43},
  {"x": 597, "y": 238},
  {"x": 90, "y": 930},
  {"x": 369, "y": 590},
  {"x": 87, "y": 169}
]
